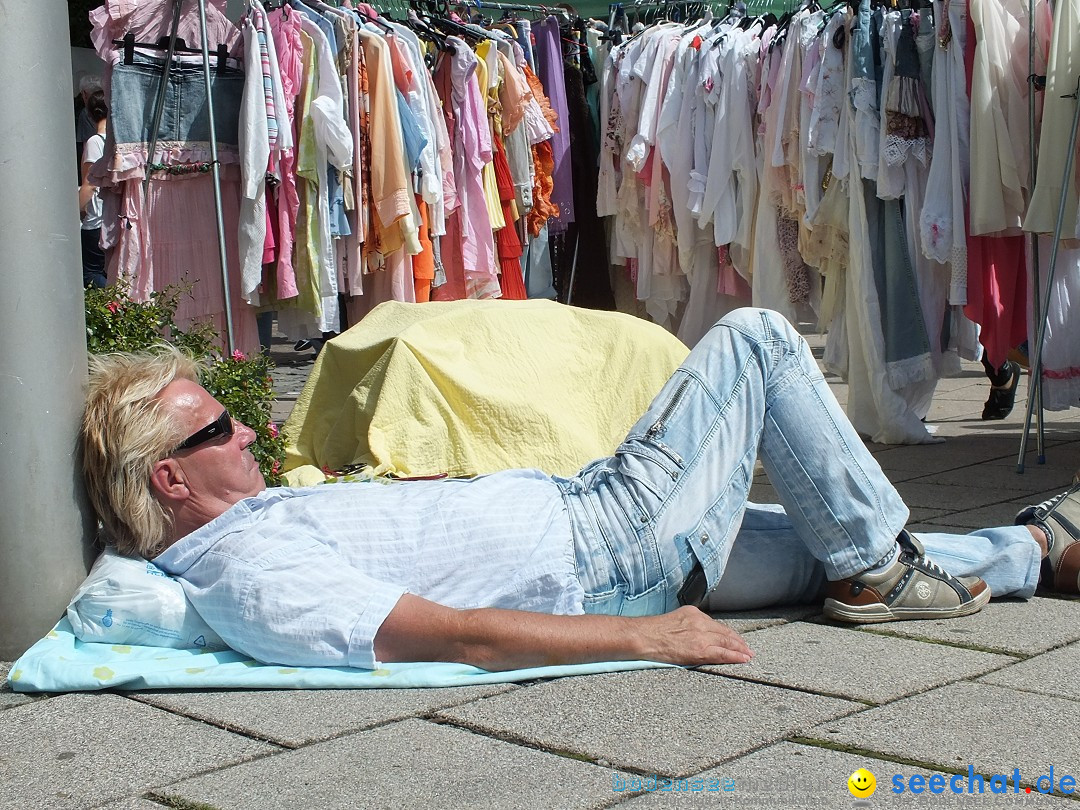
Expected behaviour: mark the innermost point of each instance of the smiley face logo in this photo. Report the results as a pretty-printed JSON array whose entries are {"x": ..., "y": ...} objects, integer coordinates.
[{"x": 862, "y": 784}]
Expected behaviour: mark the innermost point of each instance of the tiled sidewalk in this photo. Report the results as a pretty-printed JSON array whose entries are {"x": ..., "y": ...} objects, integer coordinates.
[{"x": 994, "y": 692}]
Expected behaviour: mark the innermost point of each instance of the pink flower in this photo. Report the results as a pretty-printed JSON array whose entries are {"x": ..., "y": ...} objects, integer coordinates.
[
  {"x": 238, "y": 355},
  {"x": 276, "y": 467},
  {"x": 272, "y": 429},
  {"x": 112, "y": 306}
]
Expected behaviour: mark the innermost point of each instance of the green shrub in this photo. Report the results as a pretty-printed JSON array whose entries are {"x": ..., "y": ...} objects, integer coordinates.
[{"x": 116, "y": 323}]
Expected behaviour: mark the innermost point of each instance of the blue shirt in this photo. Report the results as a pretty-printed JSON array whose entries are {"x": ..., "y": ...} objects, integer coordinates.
[{"x": 306, "y": 576}]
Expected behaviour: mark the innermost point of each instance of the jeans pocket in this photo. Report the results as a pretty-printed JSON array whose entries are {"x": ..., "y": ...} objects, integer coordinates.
[
  {"x": 645, "y": 479},
  {"x": 650, "y": 460},
  {"x": 608, "y": 603},
  {"x": 657, "y": 600}
]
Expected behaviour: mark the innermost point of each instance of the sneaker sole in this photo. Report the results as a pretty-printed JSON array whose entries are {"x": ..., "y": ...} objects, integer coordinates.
[{"x": 873, "y": 614}]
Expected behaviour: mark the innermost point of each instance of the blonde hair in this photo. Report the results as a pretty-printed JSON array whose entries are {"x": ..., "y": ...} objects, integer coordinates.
[{"x": 125, "y": 431}]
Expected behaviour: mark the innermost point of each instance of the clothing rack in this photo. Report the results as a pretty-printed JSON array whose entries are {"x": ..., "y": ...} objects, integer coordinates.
[{"x": 530, "y": 8}]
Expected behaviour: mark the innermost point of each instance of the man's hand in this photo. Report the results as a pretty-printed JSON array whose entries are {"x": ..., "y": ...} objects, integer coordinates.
[
  {"x": 495, "y": 639},
  {"x": 688, "y": 637}
]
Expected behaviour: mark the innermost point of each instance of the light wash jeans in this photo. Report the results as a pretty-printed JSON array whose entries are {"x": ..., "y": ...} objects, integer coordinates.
[{"x": 673, "y": 497}]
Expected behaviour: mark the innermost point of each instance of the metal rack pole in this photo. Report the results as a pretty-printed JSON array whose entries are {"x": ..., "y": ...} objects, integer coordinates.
[
  {"x": 214, "y": 166},
  {"x": 573, "y": 265},
  {"x": 1036, "y": 365},
  {"x": 1034, "y": 382},
  {"x": 159, "y": 102}
]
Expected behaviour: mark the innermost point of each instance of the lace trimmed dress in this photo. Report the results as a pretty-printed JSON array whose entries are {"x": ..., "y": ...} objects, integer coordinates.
[{"x": 941, "y": 225}]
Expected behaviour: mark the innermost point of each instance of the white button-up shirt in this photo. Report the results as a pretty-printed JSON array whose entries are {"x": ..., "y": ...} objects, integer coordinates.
[{"x": 306, "y": 576}]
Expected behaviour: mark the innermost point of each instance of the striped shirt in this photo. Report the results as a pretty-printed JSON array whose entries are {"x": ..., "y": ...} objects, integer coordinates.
[{"x": 306, "y": 576}]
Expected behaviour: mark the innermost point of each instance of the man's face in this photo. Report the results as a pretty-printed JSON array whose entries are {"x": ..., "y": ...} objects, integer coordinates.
[{"x": 221, "y": 471}]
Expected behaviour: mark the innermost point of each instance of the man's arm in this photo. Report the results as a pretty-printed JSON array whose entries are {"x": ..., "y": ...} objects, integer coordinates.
[{"x": 495, "y": 639}]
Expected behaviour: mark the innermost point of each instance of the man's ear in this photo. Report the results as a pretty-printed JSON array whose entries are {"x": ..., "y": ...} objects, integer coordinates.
[{"x": 168, "y": 482}]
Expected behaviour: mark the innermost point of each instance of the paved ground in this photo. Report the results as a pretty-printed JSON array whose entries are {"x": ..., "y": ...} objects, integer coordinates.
[{"x": 916, "y": 704}]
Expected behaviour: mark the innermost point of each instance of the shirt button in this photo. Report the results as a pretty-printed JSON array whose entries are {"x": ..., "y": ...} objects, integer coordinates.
[
  {"x": 644, "y": 518},
  {"x": 704, "y": 539}
]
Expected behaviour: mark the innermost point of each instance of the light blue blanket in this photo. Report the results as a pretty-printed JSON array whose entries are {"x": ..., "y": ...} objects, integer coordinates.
[{"x": 62, "y": 663}]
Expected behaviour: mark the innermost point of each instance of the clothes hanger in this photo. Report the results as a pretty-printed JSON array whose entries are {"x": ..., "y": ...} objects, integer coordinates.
[
  {"x": 376, "y": 21},
  {"x": 179, "y": 46},
  {"x": 465, "y": 32},
  {"x": 423, "y": 29}
]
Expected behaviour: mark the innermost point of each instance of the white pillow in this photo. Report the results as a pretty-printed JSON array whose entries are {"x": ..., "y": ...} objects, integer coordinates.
[{"x": 129, "y": 600}]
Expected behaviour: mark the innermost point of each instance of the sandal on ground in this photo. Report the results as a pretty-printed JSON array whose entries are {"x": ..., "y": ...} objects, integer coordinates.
[{"x": 1002, "y": 398}]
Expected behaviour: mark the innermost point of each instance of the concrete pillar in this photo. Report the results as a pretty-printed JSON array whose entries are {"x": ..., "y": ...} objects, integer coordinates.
[{"x": 43, "y": 517}]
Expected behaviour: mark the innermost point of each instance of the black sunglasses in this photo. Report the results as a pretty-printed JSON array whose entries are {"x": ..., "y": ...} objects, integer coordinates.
[{"x": 222, "y": 426}]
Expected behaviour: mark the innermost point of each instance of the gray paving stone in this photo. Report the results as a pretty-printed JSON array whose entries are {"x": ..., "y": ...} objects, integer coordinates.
[
  {"x": 1010, "y": 626},
  {"x": 289, "y": 375},
  {"x": 896, "y": 476},
  {"x": 82, "y": 750},
  {"x": 9, "y": 700},
  {"x": 131, "y": 804},
  {"x": 833, "y": 661},
  {"x": 995, "y": 514},
  {"x": 934, "y": 458},
  {"x": 1036, "y": 478},
  {"x": 948, "y": 408},
  {"x": 763, "y": 492},
  {"x": 7, "y": 697},
  {"x": 930, "y": 495},
  {"x": 745, "y": 621},
  {"x": 1061, "y": 454},
  {"x": 920, "y": 514},
  {"x": 1003, "y": 436},
  {"x": 990, "y": 728},
  {"x": 298, "y": 717},
  {"x": 408, "y": 764},
  {"x": 1053, "y": 673},
  {"x": 941, "y": 524},
  {"x": 673, "y": 722},
  {"x": 801, "y": 777},
  {"x": 966, "y": 391}
]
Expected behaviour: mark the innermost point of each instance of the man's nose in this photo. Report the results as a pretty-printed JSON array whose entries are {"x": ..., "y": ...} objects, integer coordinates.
[{"x": 247, "y": 435}]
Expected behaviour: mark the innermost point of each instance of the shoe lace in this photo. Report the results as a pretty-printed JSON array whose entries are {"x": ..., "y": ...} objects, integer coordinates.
[
  {"x": 924, "y": 563},
  {"x": 1049, "y": 504}
]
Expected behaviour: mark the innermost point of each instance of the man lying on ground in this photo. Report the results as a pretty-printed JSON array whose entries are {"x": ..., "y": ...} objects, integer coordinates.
[{"x": 519, "y": 568}]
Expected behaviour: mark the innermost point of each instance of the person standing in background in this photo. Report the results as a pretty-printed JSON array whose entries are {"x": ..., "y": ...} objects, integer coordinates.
[
  {"x": 84, "y": 126},
  {"x": 93, "y": 257}
]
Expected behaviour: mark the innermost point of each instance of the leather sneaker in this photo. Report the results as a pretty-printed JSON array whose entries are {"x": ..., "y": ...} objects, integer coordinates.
[
  {"x": 1059, "y": 518},
  {"x": 913, "y": 587}
]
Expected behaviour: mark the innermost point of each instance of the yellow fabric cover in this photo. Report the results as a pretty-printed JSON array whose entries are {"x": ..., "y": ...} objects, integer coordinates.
[{"x": 470, "y": 387}]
